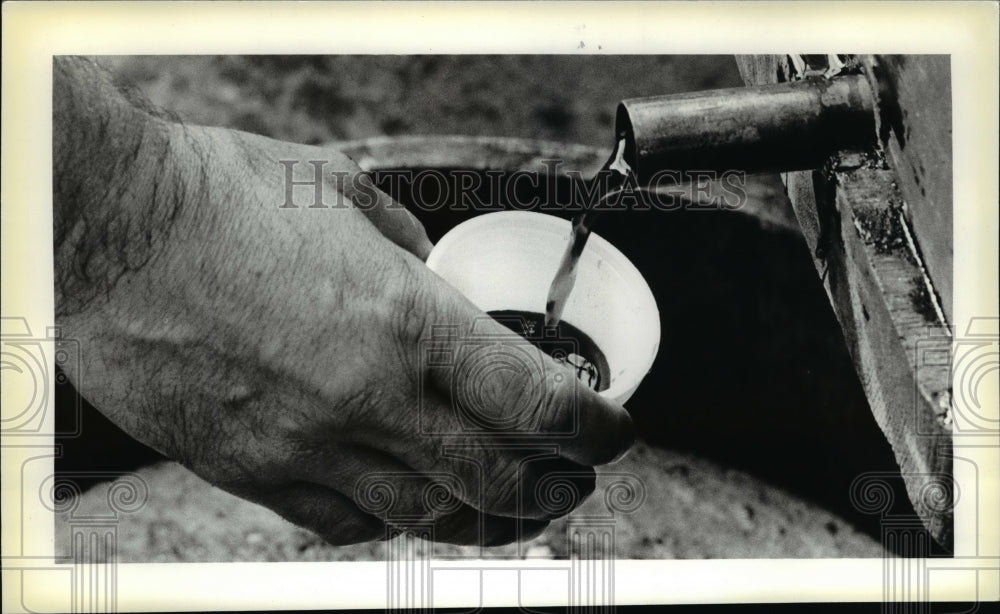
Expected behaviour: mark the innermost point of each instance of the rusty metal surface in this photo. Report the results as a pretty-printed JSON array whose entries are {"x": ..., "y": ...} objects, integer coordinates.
[
  {"x": 880, "y": 292},
  {"x": 471, "y": 152},
  {"x": 914, "y": 95},
  {"x": 778, "y": 127},
  {"x": 762, "y": 200},
  {"x": 856, "y": 218}
]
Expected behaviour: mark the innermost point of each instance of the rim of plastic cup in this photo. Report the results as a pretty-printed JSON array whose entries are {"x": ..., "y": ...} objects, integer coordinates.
[{"x": 621, "y": 387}]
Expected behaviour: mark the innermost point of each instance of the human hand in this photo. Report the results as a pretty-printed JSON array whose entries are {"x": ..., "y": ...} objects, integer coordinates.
[{"x": 276, "y": 351}]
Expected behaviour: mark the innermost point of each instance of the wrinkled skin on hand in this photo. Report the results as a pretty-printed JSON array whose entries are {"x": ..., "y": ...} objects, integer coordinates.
[{"x": 276, "y": 352}]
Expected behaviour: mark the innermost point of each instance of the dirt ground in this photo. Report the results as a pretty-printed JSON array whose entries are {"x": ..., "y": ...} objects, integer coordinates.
[
  {"x": 733, "y": 469},
  {"x": 692, "y": 509}
]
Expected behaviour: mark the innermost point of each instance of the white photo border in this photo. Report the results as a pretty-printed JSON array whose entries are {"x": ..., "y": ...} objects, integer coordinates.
[{"x": 34, "y": 32}]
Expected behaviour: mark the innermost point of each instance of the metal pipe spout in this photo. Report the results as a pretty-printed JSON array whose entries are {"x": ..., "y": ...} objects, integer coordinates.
[{"x": 772, "y": 128}]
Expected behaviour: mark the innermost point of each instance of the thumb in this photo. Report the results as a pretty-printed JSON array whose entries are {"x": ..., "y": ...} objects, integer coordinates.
[{"x": 393, "y": 220}]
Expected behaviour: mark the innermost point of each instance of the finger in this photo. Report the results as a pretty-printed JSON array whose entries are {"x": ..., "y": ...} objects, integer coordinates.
[
  {"x": 519, "y": 480},
  {"x": 430, "y": 504},
  {"x": 524, "y": 482},
  {"x": 478, "y": 378},
  {"x": 380, "y": 483},
  {"x": 391, "y": 218},
  {"x": 468, "y": 526},
  {"x": 327, "y": 512},
  {"x": 497, "y": 382},
  {"x": 437, "y": 512}
]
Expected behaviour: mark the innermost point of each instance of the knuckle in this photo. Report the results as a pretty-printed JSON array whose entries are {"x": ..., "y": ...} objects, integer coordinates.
[{"x": 538, "y": 490}]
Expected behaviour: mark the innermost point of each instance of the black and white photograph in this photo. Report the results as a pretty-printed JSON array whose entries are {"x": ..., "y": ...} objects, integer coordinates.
[
  {"x": 746, "y": 424},
  {"x": 563, "y": 313}
]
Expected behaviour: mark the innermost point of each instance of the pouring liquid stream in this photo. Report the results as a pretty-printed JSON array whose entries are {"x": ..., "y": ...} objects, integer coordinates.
[{"x": 565, "y": 277}]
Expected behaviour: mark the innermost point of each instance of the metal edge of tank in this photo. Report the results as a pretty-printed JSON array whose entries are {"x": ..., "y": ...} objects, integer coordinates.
[
  {"x": 471, "y": 152},
  {"x": 516, "y": 154}
]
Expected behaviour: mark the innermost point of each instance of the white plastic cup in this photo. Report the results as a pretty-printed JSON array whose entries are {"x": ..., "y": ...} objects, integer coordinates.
[{"x": 506, "y": 261}]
